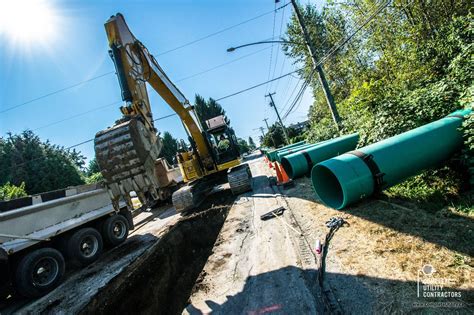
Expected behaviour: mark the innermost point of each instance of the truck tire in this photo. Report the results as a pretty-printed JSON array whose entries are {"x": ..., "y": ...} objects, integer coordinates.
[
  {"x": 84, "y": 246},
  {"x": 39, "y": 272},
  {"x": 115, "y": 230}
]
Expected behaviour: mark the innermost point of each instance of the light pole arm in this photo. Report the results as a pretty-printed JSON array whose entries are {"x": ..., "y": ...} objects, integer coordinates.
[{"x": 261, "y": 42}]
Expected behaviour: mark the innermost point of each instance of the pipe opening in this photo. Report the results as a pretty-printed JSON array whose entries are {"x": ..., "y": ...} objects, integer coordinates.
[
  {"x": 287, "y": 167},
  {"x": 327, "y": 186}
]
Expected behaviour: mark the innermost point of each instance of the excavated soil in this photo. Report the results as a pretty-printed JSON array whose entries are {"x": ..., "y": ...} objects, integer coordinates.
[{"x": 161, "y": 280}]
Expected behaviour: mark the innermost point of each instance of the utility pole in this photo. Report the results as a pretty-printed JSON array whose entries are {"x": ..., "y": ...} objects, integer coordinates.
[
  {"x": 266, "y": 123},
  {"x": 261, "y": 130},
  {"x": 272, "y": 104},
  {"x": 319, "y": 69}
]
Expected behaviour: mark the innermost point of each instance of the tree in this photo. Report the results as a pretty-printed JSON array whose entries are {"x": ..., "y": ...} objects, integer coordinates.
[
  {"x": 411, "y": 65},
  {"x": 408, "y": 67},
  {"x": 252, "y": 144},
  {"x": 92, "y": 167},
  {"x": 243, "y": 146},
  {"x": 41, "y": 166},
  {"x": 208, "y": 109},
  {"x": 170, "y": 147},
  {"x": 274, "y": 136}
]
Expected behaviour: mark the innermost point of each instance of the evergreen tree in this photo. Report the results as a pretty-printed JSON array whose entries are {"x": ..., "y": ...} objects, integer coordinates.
[
  {"x": 274, "y": 137},
  {"x": 208, "y": 109},
  {"x": 170, "y": 147},
  {"x": 252, "y": 144},
  {"x": 92, "y": 167},
  {"x": 41, "y": 166},
  {"x": 243, "y": 146}
]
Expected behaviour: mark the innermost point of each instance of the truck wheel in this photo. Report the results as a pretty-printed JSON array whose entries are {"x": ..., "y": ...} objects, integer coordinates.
[
  {"x": 115, "y": 230},
  {"x": 84, "y": 246},
  {"x": 39, "y": 272}
]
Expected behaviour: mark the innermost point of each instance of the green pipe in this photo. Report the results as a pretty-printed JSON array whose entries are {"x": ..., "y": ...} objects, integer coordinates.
[
  {"x": 284, "y": 153},
  {"x": 349, "y": 177},
  {"x": 300, "y": 163},
  {"x": 271, "y": 155}
]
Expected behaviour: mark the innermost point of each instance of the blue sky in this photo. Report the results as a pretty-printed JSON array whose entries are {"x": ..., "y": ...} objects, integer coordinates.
[{"x": 76, "y": 50}]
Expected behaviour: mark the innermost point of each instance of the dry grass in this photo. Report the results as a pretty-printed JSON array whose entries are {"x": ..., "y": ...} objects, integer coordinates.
[{"x": 387, "y": 244}]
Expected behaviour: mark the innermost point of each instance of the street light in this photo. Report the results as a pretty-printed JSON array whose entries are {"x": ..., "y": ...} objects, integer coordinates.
[{"x": 261, "y": 42}]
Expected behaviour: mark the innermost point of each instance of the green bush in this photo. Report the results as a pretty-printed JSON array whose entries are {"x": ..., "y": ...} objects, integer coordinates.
[
  {"x": 9, "y": 191},
  {"x": 94, "y": 178}
]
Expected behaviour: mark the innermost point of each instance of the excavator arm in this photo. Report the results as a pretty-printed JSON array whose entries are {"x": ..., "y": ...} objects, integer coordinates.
[
  {"x": 128, "y": 151},
  {"x": 135, "y": 66}
]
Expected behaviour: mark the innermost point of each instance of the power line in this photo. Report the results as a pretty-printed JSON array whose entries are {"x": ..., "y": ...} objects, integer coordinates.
[
  {"x": 56, "y": 92},
  {"x": 300, "y": 93},
  {"x": 333, "y": 50},
  {"x": 222, "y": 30},
  {"x": 174, "y": 114},
  {"x": 117, "y": 102},
  {"x": 183, "y": 79},
  {"x": 344, "y": 41},
  {"x": 221, "y": 65},
  {"x": 257, "y": 85},
  {"x": 163, "y": 53},
  {"x": 77, "y": 115},
  {"x": 271, "y": 51},
  {"x": 287, "y": 102},
  {"x": 278, "y": 51},
  {"x": 81, "y": 143}
]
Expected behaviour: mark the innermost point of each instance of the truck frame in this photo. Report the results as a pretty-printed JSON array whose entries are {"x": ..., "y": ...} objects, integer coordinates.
[{"x": 40, "y": 233}]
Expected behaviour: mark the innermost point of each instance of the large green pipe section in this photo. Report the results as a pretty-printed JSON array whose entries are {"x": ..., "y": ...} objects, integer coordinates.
[
  {"x": 271, "y": 155},
  {"x": 300, "y": 163},
  {"x": 355, "y": 175}
]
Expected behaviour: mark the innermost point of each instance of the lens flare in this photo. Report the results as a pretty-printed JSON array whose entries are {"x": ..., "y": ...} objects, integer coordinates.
[{"x": 28, "y": 22}]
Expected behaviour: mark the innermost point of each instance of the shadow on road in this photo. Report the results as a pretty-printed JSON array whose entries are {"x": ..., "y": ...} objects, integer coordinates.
[{"x": 273, "y": 292}]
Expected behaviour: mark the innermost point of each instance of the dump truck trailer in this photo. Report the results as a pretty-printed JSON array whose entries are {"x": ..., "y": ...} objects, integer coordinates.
[{"x": 40, "y": 233}]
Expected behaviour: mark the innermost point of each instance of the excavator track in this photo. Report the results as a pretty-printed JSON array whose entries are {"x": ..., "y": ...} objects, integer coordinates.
[
  {"x": 240, "y": 179},
  {"x": 191, "y": 195}
]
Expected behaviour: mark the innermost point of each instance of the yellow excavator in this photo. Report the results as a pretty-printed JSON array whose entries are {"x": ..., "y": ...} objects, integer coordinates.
[{"x": 128, "y": 152}]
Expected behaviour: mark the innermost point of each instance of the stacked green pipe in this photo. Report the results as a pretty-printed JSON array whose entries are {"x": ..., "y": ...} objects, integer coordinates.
[
  {"x": 300, "y": 163},
  {"x": 271, "y": 155},
  {"x": 281, "y": 154},
  {"x": 350, "y": 177}
]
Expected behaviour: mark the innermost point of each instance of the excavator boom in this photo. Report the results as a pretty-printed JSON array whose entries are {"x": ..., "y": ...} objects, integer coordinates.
[{"x": 126, "y": 152}]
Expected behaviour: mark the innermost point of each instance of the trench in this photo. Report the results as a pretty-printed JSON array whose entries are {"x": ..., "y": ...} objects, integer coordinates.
[{"x": 161, "y": 280}]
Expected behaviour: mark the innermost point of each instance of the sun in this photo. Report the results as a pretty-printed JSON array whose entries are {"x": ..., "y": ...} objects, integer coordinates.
[{"x": 28, "y": 22}]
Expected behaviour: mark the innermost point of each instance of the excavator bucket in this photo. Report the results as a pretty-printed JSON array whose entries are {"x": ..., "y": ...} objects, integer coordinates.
[{"x": 126, "y": 155}]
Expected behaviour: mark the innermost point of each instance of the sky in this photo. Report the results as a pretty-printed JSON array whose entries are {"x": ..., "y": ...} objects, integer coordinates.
[{"x": 49, "y": 45}]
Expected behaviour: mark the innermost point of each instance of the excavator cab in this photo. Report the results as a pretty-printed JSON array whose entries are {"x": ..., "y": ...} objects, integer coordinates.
[{"x": 222, "y": 140}]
